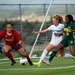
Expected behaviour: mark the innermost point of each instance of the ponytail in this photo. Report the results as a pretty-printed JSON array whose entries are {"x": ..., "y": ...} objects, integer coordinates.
[{"x": 59, "y": 18}]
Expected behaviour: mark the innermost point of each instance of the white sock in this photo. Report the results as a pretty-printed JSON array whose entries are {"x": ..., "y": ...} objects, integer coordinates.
[{"x": 43, "y": 55}]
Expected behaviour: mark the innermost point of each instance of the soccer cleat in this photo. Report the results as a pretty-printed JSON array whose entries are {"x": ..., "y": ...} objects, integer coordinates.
[
  {"x": 46, "y": 62},
  {"x": 13, "y": 63},
  {"x": 30, "y": 62},
  {"x": 74, "y": 57},
  {"x": 37, "y": 64}
]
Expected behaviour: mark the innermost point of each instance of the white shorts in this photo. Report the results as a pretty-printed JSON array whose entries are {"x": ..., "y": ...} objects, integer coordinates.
[{"x": 55, "y": 42}]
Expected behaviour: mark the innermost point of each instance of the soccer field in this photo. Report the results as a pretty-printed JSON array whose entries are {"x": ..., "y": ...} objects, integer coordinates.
[{"x": 59, "y": 66}]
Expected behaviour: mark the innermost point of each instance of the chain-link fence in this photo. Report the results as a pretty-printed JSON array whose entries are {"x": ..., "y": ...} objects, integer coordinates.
[{"x": 29, "y": 17}]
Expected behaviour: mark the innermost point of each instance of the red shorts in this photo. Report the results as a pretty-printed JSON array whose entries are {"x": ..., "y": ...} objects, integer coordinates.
[
  {"x": 13, "y": 46},
  {"x": 19, "y": 47}
]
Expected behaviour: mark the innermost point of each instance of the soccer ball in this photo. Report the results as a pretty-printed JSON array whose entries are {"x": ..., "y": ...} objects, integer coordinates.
[{"x": 23, "y": 61}]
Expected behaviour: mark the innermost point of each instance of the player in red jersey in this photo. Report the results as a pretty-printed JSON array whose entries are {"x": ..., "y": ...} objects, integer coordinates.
[{"x": 13, "y": 41}]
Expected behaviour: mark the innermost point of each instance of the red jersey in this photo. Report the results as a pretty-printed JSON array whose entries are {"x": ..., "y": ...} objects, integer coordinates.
[{"x": 12, "y": 39}]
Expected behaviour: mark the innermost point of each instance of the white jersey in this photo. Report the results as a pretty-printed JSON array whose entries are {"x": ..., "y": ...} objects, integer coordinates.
[{"x": 56, "y": 29}]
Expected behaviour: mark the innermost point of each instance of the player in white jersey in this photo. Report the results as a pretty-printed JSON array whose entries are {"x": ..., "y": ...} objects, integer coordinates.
[
  {"x": 57, "y": 29},
  {"x": 55, "y": 40}
]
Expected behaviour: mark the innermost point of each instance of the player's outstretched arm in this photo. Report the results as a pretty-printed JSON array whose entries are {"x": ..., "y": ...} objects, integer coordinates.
[
  {"x": 42, "y": 31},
  {"x": 72, "y": 30}
]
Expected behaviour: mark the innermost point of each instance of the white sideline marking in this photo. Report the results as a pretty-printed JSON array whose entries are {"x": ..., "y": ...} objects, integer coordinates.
[
  {"x": 6, "y": 62},
  {"x": 39, "y": 68},
  {"x": 19, "y": 58}
]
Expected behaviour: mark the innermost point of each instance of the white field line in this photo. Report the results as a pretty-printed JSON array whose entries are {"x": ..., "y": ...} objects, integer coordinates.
[
  {"x": 6, "y": 62},
  {"x": 38, "y": 68},
  {"x": 18, "y": 58}
]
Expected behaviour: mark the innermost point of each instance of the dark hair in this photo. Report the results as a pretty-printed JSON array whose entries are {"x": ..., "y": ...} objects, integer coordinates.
[
  {"x": 9, "y": 23},
  {"x": 70, "y": 17}
]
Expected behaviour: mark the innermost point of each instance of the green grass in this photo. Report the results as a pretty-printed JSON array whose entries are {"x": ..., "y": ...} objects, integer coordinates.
[{"x": 59, "y": 66}]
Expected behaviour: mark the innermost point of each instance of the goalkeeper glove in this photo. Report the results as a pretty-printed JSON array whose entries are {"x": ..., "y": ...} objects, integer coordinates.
[{"x": 16, "y": 47}]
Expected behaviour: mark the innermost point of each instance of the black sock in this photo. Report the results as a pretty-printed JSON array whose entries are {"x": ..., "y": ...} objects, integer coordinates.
[{"x": 52, "y": 55}]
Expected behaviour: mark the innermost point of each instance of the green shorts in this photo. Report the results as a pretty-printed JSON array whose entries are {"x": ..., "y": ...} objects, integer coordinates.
[{"x": 68, "y": 42}]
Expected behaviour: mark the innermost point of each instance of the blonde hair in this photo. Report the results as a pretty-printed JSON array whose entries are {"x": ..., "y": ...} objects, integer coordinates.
[{"x": 59, "y": 18}]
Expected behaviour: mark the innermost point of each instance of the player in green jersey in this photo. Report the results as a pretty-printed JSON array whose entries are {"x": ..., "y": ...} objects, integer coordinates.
[{"x": 68, "y": 39}]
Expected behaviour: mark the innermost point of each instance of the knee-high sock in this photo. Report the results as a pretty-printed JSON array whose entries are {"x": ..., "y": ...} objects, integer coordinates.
[
  {"x": 43, "y": 55},
  {"x": 52, "y": 55},
  {"x": 29, "y": 60},
  {"x": 9, "y": 55}
]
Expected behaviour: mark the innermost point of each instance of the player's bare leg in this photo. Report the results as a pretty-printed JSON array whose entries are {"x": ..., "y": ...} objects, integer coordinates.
[
  {"x": 48, "y": 48},
  {"x": 8, "y": 54},
  {"x": 54, "y": 52},
  {"x": 72, "y": 50},
  {"x": 61, "y": 53},
  {"x": 57, "y": 48},
  {"x": 23, "y": 54}
]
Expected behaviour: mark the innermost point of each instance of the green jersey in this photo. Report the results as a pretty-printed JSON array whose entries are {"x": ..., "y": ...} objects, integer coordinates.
[
  {"x": 68, "y": 39},
  {"x": 67, "y": 31}
]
